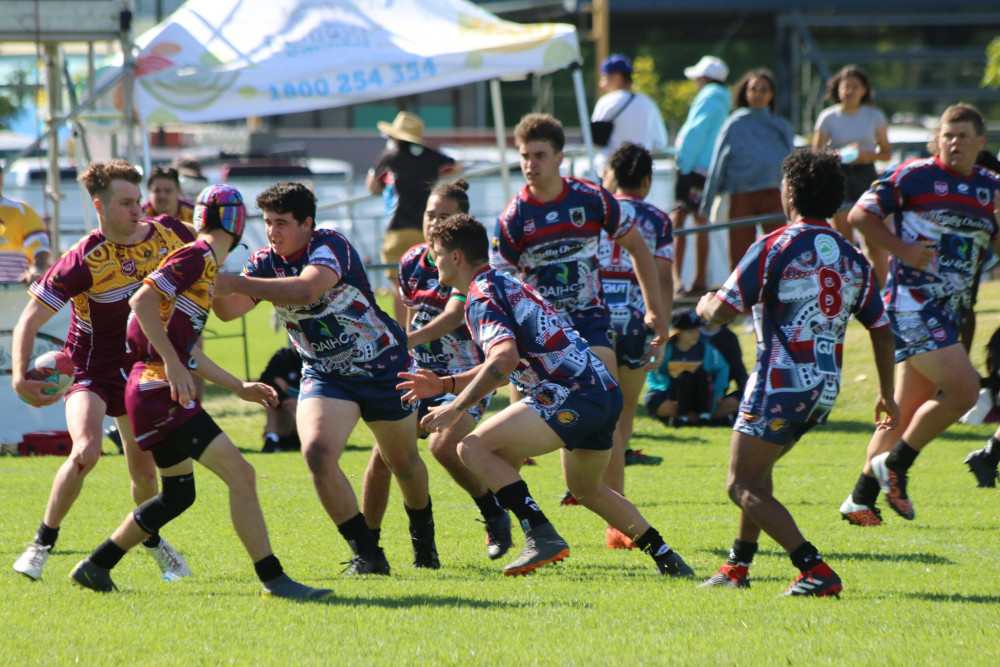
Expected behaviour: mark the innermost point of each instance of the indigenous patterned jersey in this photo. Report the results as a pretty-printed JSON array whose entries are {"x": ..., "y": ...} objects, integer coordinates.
[
  {"x": 621, "y": 286},
  {"x": 186, "y": 279},
  {"x": 185, "y": 211},
  {"x": 501, "y": 308},
  {"x": 22, "y": 236},
  {"x": 804, "y": 282},
  {"x": 553, "y": 247},
  {"x": 99, "y": 276},
  {"x": 344, "y": 331},
  {"x": 930, "y": 202},
  {"x": 453, "y": 352}
]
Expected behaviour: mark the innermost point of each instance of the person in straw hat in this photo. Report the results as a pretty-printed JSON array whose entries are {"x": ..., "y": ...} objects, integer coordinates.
[{"x": 404, "y": 174}]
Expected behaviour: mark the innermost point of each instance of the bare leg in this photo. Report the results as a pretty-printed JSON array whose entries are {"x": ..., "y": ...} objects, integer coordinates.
[
  {"x": 375, "y": 489},
  {"x": 582, "y": 472},
  {"x": 141, "y": 467},
  {"x": 614, "y": 475},
  {"x": 397, "y": 442},
  {"x": 324, "y": 426},
  {"x": 444, "y": 448},
  {"x": 751, "y": 488}
]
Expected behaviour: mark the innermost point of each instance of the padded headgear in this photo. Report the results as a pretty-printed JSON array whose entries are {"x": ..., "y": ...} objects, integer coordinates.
[{"x": 229, "y": 202}]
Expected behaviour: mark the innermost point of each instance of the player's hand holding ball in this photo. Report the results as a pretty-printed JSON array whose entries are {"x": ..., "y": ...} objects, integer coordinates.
[{"x": 47, "y": 380}]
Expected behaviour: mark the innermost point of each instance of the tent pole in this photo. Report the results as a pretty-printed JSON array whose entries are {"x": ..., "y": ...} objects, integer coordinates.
[
  {"x": 581, "y": 108},
  {"x": 501, "y": 132}
]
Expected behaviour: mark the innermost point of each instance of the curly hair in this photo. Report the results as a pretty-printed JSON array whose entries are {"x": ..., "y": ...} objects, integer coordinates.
[
  {"x": 462, "y": 232},
  {"x": 847, "y": 71},
  {"x": 98, "y": 176},
  {"x": 293, "y": 198},
  {"x": 456, "y": 191},
  {"x": 740, "y": 89},
  {"x": 630, "y": 163},
  {"x": 816, "y": 182},
  {"x": 540, "y": 127}
]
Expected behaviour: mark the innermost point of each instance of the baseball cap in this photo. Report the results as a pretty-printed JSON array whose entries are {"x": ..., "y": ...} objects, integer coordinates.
[
  {"x": 684, "y": 320},
  {"x": 232, "y": 211},
  {"x": 708, "y": 66},
  {"x": 616, "y": 63}
]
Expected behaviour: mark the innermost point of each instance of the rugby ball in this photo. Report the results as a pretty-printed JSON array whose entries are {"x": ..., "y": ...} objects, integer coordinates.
[{"x": 53, "y": 366}]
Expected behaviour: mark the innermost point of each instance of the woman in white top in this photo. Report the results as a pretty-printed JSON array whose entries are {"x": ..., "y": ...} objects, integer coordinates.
[{"x": 859, "y": 132}]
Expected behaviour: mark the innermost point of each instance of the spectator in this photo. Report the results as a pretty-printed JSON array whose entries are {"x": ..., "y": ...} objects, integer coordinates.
[
  {"x": 859, "y": 132},
  {"x": 690, "y": 385},
  {"x": 24, "y": 243},
  {"x": 404, "y": 175},
  {"x": 727, "y": 343},
  {"x": 695, "y": 144},
  {"x": 165, "y": 196},
  {"x": 283, "y": 373},
  {"x": 632, "y": 116},
  {"x": 747, "y": 160}
]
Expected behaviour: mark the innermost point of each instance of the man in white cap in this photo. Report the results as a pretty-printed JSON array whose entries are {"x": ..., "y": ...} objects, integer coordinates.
[
  {"x": 695, "y": 144},
  {"x": 633, "y": 116},
  {"x": 404, "y": 175}
]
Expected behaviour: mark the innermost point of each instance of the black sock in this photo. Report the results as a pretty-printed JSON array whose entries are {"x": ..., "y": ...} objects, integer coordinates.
[
  {"x": 866, "y": 491},
  {"x": 742, "y": 552},
  {"x": 107, "y": 555},
  {"x": 152, "y": 541},
  {"x": 992, "y": 451},
  {"x": 652, "y": 543},
  {"x": 518, "y": 500},
  {"x": 359, "y": 536},
  {"x": 422, "y": 519},
  {"x": 901, "y": 457},
  {"x": 488, "y": 505},
  {"x": 377, "y": 534},
  {"x": 46, "y": 536},
  {"x": 805, "y": 557},
  {"x": 268, "y": 568}
]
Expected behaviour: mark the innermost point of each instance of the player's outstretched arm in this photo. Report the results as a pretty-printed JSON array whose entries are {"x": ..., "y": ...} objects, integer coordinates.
[
  {"x": 300, "y": 290},
  {"x": 251, "y": 392},
  {"x": 884, "y": 348},
  {"x": 231, "y": 306},
  {"x": 33, "y": 318},
  {"x": 501, "y": 361},
  {"x": 451, "y": 318}
]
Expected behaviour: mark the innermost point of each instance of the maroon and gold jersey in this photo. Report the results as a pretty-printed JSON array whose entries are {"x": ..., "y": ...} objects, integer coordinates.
[
  {"x": 186, "y": 280},
  {"x": 98, "y": 276}
]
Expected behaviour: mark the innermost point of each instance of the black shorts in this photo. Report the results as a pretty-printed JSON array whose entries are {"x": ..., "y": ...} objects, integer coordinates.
[
  {"x": 188, "y": 441},
  {"x": 687, "y": 192},
  {"x": 858, "y": 178}
]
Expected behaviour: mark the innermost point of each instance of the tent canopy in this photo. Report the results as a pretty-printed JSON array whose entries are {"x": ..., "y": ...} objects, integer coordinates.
[{"x": 229, "y": 59}]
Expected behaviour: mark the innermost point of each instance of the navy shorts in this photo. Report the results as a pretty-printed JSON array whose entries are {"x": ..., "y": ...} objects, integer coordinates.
[
  {"x": 926, "y": 330},
  {"x": 584, "y": 419},
  {"x": 377, "y": 396},
  {"x": 594, "y": 326}
]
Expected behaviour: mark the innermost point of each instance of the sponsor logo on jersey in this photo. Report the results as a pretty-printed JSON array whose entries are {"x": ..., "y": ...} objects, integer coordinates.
[
  {"x": 777, "y": 425},
  {"x": 128, "y": 266},
  {"x": 279, "y": 272},
  {"x": 577, "y": 216},
  {"x": 567, "y": 417},
  {"x": 529, "y": 226},
  {"x": 963, "y": 188},
  {"x": 827, "y": 249},
  {"x": 552, "y": 216},
  {"x": 983, "y": 195},
  {"x": 940, "y": 188}
]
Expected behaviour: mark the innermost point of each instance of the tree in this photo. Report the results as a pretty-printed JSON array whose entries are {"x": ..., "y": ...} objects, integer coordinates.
[
  {"x": 673, "y": 97},
  {"x": 12, "y": 98},
  {"x": 991, "y": 75}
]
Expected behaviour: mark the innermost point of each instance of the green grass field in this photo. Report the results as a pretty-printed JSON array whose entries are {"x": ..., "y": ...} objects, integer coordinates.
[{"x": 918, "y": 592}]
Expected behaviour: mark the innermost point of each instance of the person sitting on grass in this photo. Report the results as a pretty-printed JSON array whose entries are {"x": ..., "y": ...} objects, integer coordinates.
[
  {"x": 689, "y": 387},
  {"x": 572, "y": 401},
  {"x": 163, "y": 408},
  {"x": 283, "y": 374}
]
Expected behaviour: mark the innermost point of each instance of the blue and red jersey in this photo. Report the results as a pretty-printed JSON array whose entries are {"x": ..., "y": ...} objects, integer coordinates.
[
  {"x": 501, "y": 308},
  {"x": 928, "y": 201},
  {"x": 344, "y": 332},
  {"x": 421, "y": 292},
  {"x": 553, "y": 246},
  {"x": 803, "y": 282}
]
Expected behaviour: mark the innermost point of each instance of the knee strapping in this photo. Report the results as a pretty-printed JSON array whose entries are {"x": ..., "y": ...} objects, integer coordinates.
[{"x": 177, "y": 495}]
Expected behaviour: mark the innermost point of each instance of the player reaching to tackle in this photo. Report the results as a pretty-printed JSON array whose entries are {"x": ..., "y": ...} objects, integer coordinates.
[{"x": 170, "y": 313}]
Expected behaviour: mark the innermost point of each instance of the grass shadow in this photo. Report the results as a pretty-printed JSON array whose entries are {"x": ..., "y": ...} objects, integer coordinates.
[
  {"x": 925, "y": 559},
  {"x": 955, "y": 597}
]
